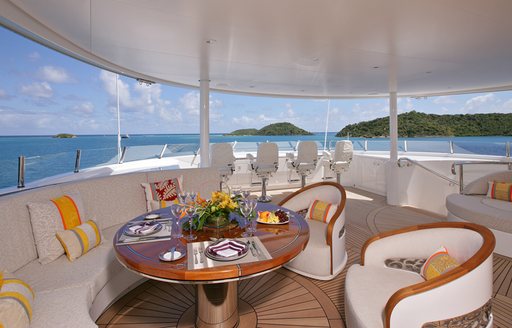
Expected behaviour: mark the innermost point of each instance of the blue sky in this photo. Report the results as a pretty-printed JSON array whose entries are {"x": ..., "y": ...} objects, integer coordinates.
[{"x": 45, "y": 92}]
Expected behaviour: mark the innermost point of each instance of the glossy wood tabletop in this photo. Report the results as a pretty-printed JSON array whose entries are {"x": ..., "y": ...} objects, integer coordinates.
[{"x": 283, "y": 242}]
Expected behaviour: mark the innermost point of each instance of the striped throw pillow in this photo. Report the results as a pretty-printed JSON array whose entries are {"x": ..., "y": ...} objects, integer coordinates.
[
  {"x": 438, "y": 263},
  {"x": 79, "y": 240},
  {"x": 321, "y": 211},
  {"x": 500, "y": 190},
  {"x": 16, "y": 300},
  {"x": 48, "y": 218}
]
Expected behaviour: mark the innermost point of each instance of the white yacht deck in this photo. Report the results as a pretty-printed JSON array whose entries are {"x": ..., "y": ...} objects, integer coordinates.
[{"x": 285, "y": 299}]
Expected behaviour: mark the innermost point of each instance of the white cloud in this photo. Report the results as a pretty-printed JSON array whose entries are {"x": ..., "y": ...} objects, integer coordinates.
[
  {"x": 38, "y": 90},
  {"x": 4, "y": 95},
  {"x": 442, "y": 100},
  {"x": 85, "y": 108},
  {"x": 34, "y": 56},
  {"x": 243, "y": 120},
  {"x": 264, "y": 118},
  {"x": 479, "y": 102},
  {"x": 54, "y": 74},
  {"x": 190, "y": 102}
]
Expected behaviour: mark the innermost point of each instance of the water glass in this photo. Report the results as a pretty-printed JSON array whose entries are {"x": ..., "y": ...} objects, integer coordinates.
[
  {"x": 193, "y": 196},
  {"x": 191, "y": 211},
  {"x": 236, "y": 190},
  {"x": 246, "y": 193},
  {"x": 177, "y": 212},
  {"x": 247, "y": 208}
]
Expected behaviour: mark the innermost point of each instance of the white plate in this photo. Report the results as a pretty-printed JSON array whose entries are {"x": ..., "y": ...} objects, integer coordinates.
[
  {"x": 169, "y": 256},
  {"x": 152, "y": 217},
  {"x": 271, "y": 223}
]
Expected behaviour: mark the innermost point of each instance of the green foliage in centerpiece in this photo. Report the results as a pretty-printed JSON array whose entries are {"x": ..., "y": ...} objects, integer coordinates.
[{"x": 215, "y": 211}]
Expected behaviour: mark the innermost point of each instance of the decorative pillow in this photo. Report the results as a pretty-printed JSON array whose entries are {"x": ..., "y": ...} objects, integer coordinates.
[
  {"x": 50, "y": 217},
  {"x": 321, "y": 211},
  {"x": 16, "y": 300},
  {"x": 79, "y": 240},
  {"x": 438, "y": 263},
  {"x": 500, "y": 190},
  {"x": 162, "y": 194},
  {"x": 407, "y": 264}
]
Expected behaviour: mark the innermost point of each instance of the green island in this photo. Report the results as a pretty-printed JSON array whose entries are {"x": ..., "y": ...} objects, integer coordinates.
[
  {"x": 64, "y": 136},
  {"x": 415, "y": 124},
  {"x": 275, "y": 129}
]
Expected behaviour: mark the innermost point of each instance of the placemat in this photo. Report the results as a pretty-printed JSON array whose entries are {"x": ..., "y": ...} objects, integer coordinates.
[
  {"x": 260, "y": 254},
  {"x": 164, "y": 234}
]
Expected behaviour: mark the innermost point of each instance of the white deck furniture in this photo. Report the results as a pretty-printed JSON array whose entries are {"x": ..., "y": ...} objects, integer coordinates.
[
  {"x": 472, "y": 205},
  {"x": 340, "y": 161},
  {"x": 223, "y": 159},
  {"x": 305, "y": 163},
  {"x": 325, "y": 256},
  {"x": 74, "y": 294},
  {"x": 379, "y": 296},
  {"x": 265, "y": 164}
]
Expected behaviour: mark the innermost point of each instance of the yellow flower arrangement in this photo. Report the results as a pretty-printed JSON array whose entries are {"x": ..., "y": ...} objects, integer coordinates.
[{"x": 217, "y": 208}]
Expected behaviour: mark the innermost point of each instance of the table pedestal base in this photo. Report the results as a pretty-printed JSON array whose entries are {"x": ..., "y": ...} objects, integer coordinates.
[{"x": 217, "y": 305}]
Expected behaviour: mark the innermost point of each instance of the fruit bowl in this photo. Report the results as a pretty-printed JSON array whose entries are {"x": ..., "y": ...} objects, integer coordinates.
[{"x": 273, "y": 217}]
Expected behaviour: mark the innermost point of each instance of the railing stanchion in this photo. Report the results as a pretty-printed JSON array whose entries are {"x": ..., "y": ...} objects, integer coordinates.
[
  {"x": 163, "y": 151},
  {"x": 507, "y": 149},
  {"x": 123, "y": 154},
  {"x": 77, "y": 160},
  {"x": 365, "y": 145},
  {"x": 21, "y": 172},
  {"x": 461, "y": 178},
  {"x": 451, "y": 146},
  {"x": 405, "y": 146}
]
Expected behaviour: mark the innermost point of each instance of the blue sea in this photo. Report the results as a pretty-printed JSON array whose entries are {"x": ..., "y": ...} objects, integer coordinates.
[{"x": 47, "y": 156}]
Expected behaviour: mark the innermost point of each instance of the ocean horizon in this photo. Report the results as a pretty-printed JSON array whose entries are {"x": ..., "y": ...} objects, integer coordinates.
[{"x": 47, "y": 156}]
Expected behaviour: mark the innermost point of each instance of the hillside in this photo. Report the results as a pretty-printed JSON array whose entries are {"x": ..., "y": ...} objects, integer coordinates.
[
  {"x": 275, "y": 129},
  {"x": 415, "y": 124}
]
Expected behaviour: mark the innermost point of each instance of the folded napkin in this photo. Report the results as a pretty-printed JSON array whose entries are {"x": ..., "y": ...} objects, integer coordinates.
[
  {"x": 143, "y": 228},
  {"x": 228, "y": 248}
]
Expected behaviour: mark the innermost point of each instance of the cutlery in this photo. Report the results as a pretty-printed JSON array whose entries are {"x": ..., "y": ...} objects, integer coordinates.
[
  {"x": 256, "y": 248},
  {"x": 172, "y": 253},
  {"x": 251, "y": 247},
  {"x": 201, "y": 253},
  {"x": 195, "y": 256}
]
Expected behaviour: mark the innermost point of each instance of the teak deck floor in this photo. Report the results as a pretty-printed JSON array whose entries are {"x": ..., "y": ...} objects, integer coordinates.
[{"x": 283, "y": 299}]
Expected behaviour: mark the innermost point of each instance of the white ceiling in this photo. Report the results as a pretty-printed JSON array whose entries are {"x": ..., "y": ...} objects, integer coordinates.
[{"x": 320, "y": 48}]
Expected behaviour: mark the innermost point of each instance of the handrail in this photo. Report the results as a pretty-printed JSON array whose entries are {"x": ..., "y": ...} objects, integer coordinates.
[
  {"x": 461, "y": 168},
  {"x": 439, "y": 175},
  {"x": 164, "y": 148}
]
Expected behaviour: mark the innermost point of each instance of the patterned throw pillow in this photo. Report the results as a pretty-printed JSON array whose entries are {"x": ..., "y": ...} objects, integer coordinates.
[
  {"x": 162, "y": 194},
  {"x": 50, "y": 217},
  {"x": 321, "y": 211},
  {"x": 438, "y": 263},
  {"x": 407, "y": 264},
  {"x": 79, "y": 240},
  {"x": 16, "y": 300},
  {"x": 500, "y": 190}
]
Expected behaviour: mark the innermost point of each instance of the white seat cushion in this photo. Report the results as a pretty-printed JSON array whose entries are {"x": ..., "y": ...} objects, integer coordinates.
[
  {"x": 367, "y": 290},
  {"x": 62, "y": 308},
  {"x": 492, "y": 213},
  {"x": 317, "y": 255},
  {"x": 92, "y": 270}
]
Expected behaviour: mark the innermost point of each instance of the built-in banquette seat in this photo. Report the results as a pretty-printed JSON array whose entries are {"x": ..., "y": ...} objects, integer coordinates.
[
  {"x": 74, "y": 294},
  {"x": 473, "y": 205},
  {"x": 380, "y": 294}
]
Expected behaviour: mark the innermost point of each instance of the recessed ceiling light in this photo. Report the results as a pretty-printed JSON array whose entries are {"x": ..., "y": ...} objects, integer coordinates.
[
  {"x": 251, "y": 86},
  {"x": 376, "y": 67},
  {"x": 302, "y": 90},
  {"x": 211, "y": 41},
  {"x": 428, "y": 72}
]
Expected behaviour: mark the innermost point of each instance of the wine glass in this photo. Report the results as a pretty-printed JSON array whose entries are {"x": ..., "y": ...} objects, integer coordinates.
[
  {"x": 177, "y": 212},
  {"x": 246, "y": 210},
  {"x": 182, "y": 197},
  {"x": 236, "y": 190},
  {"x": 193, "y": 196},
  {"x": 246, "y": 193},
  {"x": 191, "y": 211}
]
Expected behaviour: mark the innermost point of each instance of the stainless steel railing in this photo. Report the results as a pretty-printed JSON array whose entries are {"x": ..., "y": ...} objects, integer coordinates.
[
  {"x": 461, "y": 168},
  {"x": 405, "y": 161}
]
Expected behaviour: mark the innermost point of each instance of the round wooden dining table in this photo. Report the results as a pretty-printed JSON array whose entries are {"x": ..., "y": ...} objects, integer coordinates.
[{"x": 216, "y": 287}]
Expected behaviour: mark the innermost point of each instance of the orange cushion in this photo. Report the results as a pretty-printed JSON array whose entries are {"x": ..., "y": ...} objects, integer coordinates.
[
  {"x": 500, "y": 190},
  {"x": 438, "y": 263},
  {"x": 321, "y": 211}
]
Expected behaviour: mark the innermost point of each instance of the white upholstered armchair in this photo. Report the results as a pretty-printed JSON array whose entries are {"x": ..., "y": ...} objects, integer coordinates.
[
  {"x": 325, "y": 255},
  {"x": 380, "y": 296}
]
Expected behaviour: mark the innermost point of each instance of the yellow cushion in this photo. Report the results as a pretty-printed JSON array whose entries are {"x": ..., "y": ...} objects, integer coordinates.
[
  {"x": 321, "y": 211},
  {"x": 500, "y": 190},
  {"x": 79, "y": 240},
  {"x": 16, "y": 300},
  {"x": 438, "y": 263}
]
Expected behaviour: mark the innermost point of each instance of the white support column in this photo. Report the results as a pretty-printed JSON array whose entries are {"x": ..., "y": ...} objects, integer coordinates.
[
  {"x": 204, "y": 122},
  {"x": 392, "y": 183}
]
